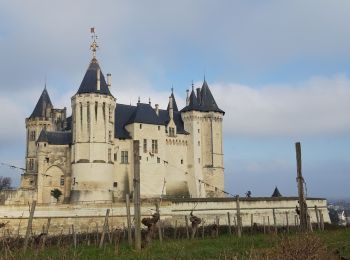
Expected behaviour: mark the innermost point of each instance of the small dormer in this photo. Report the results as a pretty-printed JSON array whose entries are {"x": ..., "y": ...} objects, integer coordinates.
[{"x": 171, "y": 109}]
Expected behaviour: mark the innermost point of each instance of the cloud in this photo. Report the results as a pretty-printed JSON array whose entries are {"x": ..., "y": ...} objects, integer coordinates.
[{"x": 318, "y": 106}]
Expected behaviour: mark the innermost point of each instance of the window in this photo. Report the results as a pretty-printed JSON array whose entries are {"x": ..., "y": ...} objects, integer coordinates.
[
  {"x": 158, "y": 160},
  {"x": 145, "y": 145},
  {"x": 115, "y": 184},
  {"x": 171, "y": 131},
  {"x": 109, "y": 155},
  {"x": 62, "y": 181},
  {"x": 31, "y": 164},
  {"x": 182, "y": 161},
  {"x": 88, "y": 116},
  {"x": 104, "y": 111},
  {"x": 110, "y": 136},
  {"x": 124, "y": 157},
  {"x": 199, "y": 160},
  {"x": 154, "y": 146},
  {"x": 32, "y": 135},
  {"x": 140, "y": 126},
  {"x": 47, "y": 159},
  {"x": 198, "y": 131},
  {"x": 96, "y": 106},
  {"x": 199, "y": 143},
  {"x": 159, "y": 128},
  {"x": 110, "y": 113},
  {"x": 115, "y": 157}
]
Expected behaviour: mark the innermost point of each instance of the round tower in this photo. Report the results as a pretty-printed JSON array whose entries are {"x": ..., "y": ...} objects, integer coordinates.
[{"x": 93, "y": 109}]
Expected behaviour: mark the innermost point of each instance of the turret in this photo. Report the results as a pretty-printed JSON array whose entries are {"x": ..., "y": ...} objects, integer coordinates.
[
  {"x": 203, "y": 120},
  {"x": 93, "y": 109}
]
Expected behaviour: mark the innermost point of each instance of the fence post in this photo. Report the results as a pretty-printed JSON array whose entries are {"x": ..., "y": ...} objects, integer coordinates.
[
  {"x": 229, "y": 223},
  {"x": 29, "y": 226},
  {"x": 264, "y": 224},
  {"x": 251, "y": 223},
  {"x": 239, "y": 219},
  {"x": 287, "y": 221},
  {"x": 74, "y": 237},
  {"x": 175, "y": 229},
  {"x": 274, "y": 220},
  {"x": 187, "y": 231},
  {"x": 128, "y": 218},
  {"x": 104, "y": 228},
  {"x": 317, "y": 218},
  {"x": 159, "y": 223}
]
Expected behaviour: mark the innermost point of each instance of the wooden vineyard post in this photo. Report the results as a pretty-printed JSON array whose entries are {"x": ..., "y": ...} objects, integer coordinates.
[
  {"x": 29, "y": 226},
  {"x": 159, "y": 224},
  {"x": 321, "y": 220},
  {"x": 137, "y": 199},
  {"x": 274, "y": 220},
  {"x": 217, "y": 220},
  {"x": 175, "y": 229},
  {"x": 128, "y": 218},
  {"x": 104, "y": 229},
  {"x": 300, "y": 180},
  {"x": 317, "y": 218},
  {"x": 187, "y": 228},
  {"x": 229, "y": 223},
  {"x": 268, "y": 224},
  {"x": 264, "y": 224},
  {"x": 287, "y": 221},
  {"x": 74, "y": 237},
  {"x": 46, "y": 231},
  {"x": 251, "y": 223},
  {"x": 239, "y": 219}
]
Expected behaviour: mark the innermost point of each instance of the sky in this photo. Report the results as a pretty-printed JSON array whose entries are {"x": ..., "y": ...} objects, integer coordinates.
[{"x": 279, "y": 69}]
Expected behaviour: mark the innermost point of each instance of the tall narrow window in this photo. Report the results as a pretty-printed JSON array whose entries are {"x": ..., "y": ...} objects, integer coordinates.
[
  {"x": 171, "y": 131},
  {"x": 124, "y": 157},
  {"x": 96, "y": 106},
  {"x": 31, "y": 164},
  {"x": 104, "y": 111},
  {"x": 145, "y": 145},
  {"x": 110, "y": 113},
  {"x": 81, "y": 114},
  {"x": 109, "y": 155},
  {"x": 32, "y": 135},
  {"x": 154, "y": 146},
  {"x": 110, "y": 136},
  {"x": 62, "y": 181},
  {"x": 88, "y": 116}
]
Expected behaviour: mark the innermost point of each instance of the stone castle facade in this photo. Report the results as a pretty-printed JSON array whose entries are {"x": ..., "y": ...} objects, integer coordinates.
[{"x": 89, "y": 155}]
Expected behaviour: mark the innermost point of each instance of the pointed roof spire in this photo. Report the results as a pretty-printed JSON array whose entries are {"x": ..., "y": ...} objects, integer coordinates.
[
  {"x": 173, "y": 100},
  {"x": 43, "y": 103},
  {"x": 276, "y": 193},
  {"x": 207, "y": 100}
]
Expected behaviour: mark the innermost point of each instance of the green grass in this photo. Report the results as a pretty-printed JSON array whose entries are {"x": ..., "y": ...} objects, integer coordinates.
[{"x": 208, "y": 248}]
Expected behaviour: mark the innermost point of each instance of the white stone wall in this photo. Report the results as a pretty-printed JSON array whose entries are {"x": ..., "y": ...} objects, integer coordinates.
[{"x": 88, "y": 216}]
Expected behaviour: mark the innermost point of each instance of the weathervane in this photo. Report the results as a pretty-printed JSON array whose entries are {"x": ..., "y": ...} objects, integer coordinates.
[{"x": 93, "y": 46}]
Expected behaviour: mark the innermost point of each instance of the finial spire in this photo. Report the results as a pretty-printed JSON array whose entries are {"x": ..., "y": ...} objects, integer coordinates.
[
  {"x": 172, "y": 89},
  {"x": 192, "y": 86},
  {"x": 94, "y": 46}
]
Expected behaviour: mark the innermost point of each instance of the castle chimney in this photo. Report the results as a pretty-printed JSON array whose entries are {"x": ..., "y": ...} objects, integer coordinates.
[
  {"x": 198, "y": 95},
  {"x": 109, "y": 79},
  {"x": 187, "y": 97},
  {"x": 157, "y": 109},
  {"x": 98, "y": 80}
]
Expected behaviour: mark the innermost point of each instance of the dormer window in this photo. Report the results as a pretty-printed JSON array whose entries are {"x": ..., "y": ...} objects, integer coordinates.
[
  {"x": 171, "y": 131},
  {"x": 32, "y": 136}
]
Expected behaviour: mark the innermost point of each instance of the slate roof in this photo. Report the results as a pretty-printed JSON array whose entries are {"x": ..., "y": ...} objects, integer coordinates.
[
  {"x": 143, "y": 113},
  {"x": 203, "y": 102},
  {"x": 55, "y": 138},
  {"x": 89, "y": 82},
  {"x": 276, "y": 193},
  {"x": 43, "y": 103}
]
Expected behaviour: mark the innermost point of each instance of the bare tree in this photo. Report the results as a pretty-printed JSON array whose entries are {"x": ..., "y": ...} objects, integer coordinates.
[{"x": 5, "y": 183}]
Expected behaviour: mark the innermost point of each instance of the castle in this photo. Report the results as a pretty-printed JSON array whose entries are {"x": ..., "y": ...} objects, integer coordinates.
[{"x": 90, "y": 156}]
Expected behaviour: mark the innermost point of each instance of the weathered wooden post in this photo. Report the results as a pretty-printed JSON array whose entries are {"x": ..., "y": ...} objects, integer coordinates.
[
  {"x": 268, "y": 224},
  {"x": 74, "y": 237},
  {"x": 239, "y": 219},
  {"x": 264, "y": 224},
  {"x": 229, "y": 223},
  {"x": 159, "y": 223},
  {"x": 317, "y": 218},
  {"x": 128, "y": 218},
  {"x": 29, "y": 226},
  {"x": 104, "y": 229},
  {"x": 251, "y": 223},
  {"x": 137, "y": 199},
  {"x": 187, "y": 229},
  {"x": 300, "y": 180},
  {"x": 175, "y": 229},
  {"x": 287, "y": 221},
  {"x": 322, "y": 221},
  {"x": 274, "y": 220},
  {"x": 217, "y": 225}
]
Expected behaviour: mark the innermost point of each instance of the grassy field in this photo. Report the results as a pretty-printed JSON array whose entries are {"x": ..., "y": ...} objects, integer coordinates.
[{"x": 332, "y": 244}]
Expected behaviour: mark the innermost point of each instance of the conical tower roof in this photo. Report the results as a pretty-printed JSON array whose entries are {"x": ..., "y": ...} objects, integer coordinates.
[
  {"x": 207, "y": 100},
  {"x": 89, "y": 83},
  {"x": 43, "y": 103},
  {"x": 276, "y": 193}
]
